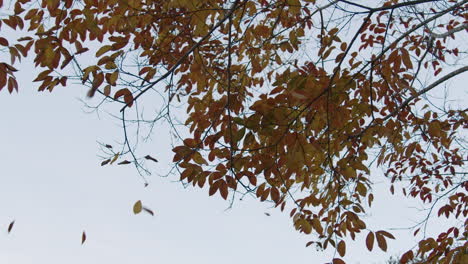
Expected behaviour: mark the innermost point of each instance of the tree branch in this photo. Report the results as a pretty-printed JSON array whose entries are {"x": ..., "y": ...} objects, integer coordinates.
[{"x": 182, "y": 59}]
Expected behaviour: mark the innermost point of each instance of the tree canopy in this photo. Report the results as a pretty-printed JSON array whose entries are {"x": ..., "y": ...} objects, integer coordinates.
[{"x": 296, "y": 102}]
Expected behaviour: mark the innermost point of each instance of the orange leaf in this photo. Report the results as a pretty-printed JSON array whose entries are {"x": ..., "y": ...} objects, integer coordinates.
[{"x": 83, "y": 237}]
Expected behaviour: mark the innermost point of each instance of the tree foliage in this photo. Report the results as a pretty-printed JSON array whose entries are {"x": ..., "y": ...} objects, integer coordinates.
[{"x": 297, "y": 102}]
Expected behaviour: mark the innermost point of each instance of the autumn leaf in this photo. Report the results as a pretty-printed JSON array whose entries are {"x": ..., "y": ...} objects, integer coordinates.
[
  {"x": 137, "y": 207},
  {"x": 149, "y": 211},
  {"x": 4, "y": 42},
  {"x": 338, "y": 261},
  {"x": 10, "y": 226},
  {"x": 83, "y": 237},
  {"x": 128, "y": 97},
  {"x": 116, "y": 156},
  {"x": 370, "y": 241},
  {"x": 148, "y": 157},
  {"x": 341, "y": 248},
  {"x": 381, "y": 241}
]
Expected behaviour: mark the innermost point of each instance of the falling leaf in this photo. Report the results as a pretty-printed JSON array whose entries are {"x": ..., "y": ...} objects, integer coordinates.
[
  {"x": 267, "y": 214},
  {"x": 124, "y": 162},
  {"x": 137, "y": 207},
  {"x": 116, "y": 156},
  {"x": 370, "y": 241},
  {"x": 10, "y": 226},
  {"x": 148, "y": 157},
  {"x": 83, "y": 238},
  {"x": 149, "y": 211}
]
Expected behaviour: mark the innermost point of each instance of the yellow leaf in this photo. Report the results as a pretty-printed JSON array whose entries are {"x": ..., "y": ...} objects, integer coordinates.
[
  {"x": 116, "y": 156},
  {"x": 103, "y": 50},
  {"x": 197, "y": 157},
  {"x": 137, "y": 207}
]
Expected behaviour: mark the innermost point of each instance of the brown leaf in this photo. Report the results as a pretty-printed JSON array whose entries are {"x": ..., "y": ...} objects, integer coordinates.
[
  {"x": 405, "y": 258},
  {"x": 124, "y": 162},
  {"x": 385, "y": 233},
  {"x": 83, "y": 238},
  {"x": 149, "y": 211},
  {"x": 114, "y": 159},
  {"x": 341, "y": 248},
  {"x": 4, "y": 42},
  {"x": 128, "y": 97},
  {"x": 338, "y": 261},
  {"x": 105, "y": 162},
  {"x": 223, "y": 189},
  {"x": 148, "y": 157},
  {"x": 381, "y": 242},
  {"x": 107, "y": 90},
  {"x": 10, "y": 226},
  {"x": 370, "y": 241}
]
